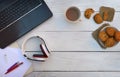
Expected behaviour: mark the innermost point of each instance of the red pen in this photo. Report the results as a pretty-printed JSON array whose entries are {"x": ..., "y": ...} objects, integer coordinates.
[{"x": 14, "y": 66}]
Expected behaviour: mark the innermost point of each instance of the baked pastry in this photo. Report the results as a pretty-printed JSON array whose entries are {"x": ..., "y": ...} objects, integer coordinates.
[
  {"x": 117, "y": 35},
  {"x": 108, "y": 12},
  {"x": 103, "y": 36},
  {"x": 105, "y": 16},
  {"x": 88, "y": 13},
  {"x": 110, "y": 42},
  {"x": 98, "y": 19},
  {"x": 110, "y": 31}
]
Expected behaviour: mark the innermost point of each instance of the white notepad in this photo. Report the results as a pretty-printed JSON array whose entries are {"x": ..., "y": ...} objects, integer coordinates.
[{"x": 8, "y": 57}]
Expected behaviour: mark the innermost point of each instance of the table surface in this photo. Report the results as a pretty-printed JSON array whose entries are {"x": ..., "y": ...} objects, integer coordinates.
[{"x": 74, "y": 51}]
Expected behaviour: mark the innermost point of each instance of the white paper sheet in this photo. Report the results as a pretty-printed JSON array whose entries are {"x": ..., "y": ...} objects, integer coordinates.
[{"x": 8, "y": 57}]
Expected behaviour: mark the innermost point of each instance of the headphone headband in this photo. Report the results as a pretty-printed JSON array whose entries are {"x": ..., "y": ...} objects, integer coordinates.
[{"x": 42, "y": 46}]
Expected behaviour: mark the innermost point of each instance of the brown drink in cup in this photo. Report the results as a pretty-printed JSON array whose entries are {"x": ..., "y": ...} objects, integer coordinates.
[{"x": 73, "y": 14}]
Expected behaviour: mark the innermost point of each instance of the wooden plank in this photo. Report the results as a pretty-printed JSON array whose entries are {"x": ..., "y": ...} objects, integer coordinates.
[
  {"x": 69, "y": 41},
  {"x": 59, "y": 23},
  {"x": 60, "y": 6},
  {"x": 31, "y": 75},
  {"x": 80, "y": 62},
  {"x": 74, "y": 74}
]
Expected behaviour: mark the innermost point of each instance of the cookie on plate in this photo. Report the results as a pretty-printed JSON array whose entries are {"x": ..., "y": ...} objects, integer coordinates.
[
  {"x": 105, "y": 16},
  {"x": 110, "y": 42},
  {"x": 103, "y": 36},
  {"x": 110, "y": 31},
  {"x": 117, "y": 35}
]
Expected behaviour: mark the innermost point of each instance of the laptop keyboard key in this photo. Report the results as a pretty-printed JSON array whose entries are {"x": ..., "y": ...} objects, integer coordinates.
[{"x": 15, "y": 11}]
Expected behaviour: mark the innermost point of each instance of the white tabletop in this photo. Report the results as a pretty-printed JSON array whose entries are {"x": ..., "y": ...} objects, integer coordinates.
[{"x": 74, "y": 51}]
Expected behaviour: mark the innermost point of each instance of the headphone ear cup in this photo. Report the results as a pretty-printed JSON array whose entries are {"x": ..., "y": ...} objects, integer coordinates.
[{"x": 44, "y": 50}]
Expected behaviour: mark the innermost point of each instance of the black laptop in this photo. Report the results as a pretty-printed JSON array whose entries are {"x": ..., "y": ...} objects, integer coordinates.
[{"x": 17, "y": 17}]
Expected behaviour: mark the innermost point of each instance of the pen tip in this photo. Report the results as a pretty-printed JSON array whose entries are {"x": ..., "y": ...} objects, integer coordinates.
[{"x": 6, "y": 72}]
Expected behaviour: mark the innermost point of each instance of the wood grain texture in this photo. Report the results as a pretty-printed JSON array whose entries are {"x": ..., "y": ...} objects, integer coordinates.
[
  {"x": 74, "y": 74},
  {"x": 59, "y": 23},
  {"x": 74, "y": 51},
  {"x": 80, "y": 61},
  {"x": 70, "y": 41},
  {"x": 61, "y": 35},
  {"x": 60, "y": 6}
]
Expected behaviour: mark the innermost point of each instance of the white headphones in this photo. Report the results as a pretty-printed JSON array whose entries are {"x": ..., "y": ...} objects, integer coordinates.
[{"x": 35, "y": 55}]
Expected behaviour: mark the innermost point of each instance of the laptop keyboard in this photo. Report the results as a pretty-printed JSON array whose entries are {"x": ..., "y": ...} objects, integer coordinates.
[{"x": 15, "y": 11}]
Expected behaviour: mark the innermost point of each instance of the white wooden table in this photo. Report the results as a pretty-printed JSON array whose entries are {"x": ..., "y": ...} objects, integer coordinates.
[{"x": 74, "y": 51}]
